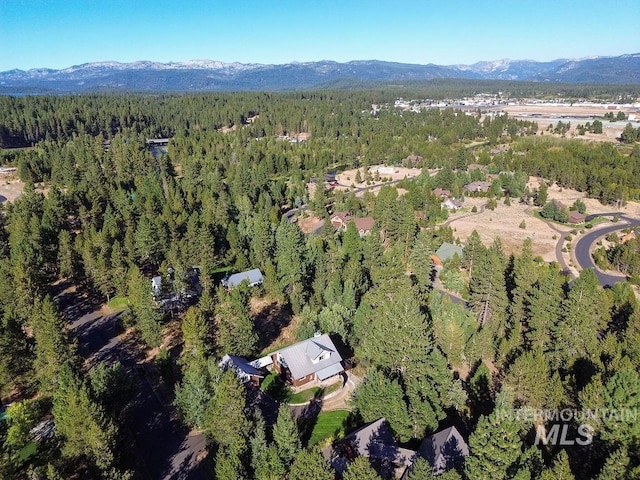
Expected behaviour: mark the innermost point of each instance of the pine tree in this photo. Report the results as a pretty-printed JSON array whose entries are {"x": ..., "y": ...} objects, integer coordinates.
[
  {"x": 421, "y": 470},
  {"x": 616, "y": 466},
  {"x": 420, "y": 259},
  {"x": 561, "y": 469},
  {"x": 575, "y": 335},
  {"x": 360, "y": 469},
  {"x": 378, "y": 397},
  {"x": 543, "y": 309},
  {"x": 309, "y": 464},
  {"x": 225, "y": 418},
  {"x": 53, "y": 346},
  {"x": 286, "y": 435},
  {"x": 396, "y": 337},
  {"x": 228, "y": 465},
  {"x": 495, "y": 446},
  {"x": 81, "y": 423}
]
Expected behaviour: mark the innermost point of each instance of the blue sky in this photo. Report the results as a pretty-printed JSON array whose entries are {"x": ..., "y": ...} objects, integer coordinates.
[{"x": 62, "y": 33}]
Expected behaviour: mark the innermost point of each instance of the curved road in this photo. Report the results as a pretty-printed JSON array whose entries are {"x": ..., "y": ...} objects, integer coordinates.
[{"x": 582, "y": 247}]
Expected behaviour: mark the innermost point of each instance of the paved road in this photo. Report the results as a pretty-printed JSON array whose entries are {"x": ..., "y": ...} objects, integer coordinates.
[
  {"x": 162, "y": 446},
  {"x": 582, "y": 247}
]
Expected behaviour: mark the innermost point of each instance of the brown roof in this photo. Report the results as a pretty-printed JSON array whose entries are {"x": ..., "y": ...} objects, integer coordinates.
[
  {"x": 576, "y": 217},
  {"x": 338, "y": 219},
  {"x": 365, "y": 223},
  {"x": 439, "y": 192}
]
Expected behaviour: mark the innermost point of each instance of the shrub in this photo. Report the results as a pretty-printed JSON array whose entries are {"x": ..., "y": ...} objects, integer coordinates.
[{"x": 523, "y": 224}]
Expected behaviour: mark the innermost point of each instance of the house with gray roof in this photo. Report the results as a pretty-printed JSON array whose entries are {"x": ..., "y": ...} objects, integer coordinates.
[
  {"x": 253, "y": 277},
  {"x": 247, "y": 372},
  {"x": 313, "y": 359},
  {"x": 376, "y": 442},
  {"x": 443, "y": 450}
]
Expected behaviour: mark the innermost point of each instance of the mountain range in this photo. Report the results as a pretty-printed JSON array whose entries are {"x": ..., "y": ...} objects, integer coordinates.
[{"x": 207, "y": 75}]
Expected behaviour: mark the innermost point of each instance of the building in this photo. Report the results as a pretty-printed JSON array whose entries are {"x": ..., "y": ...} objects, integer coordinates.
[
  {"x": 156, "y": 286},
  {"x": 364, "y": 225},
  {"x": 340, "y": 219},
  {"x": 444, "y": 449},
  {"x": 440, "y": 193},
  {"x": 477, "y": 186},
  {"x": 447, "y": 251},
  {"x": 376, "y": 442},
  {"x": 576, "y": 217},
  {"x": 253, "y": 277},
  {"x": 314, "y": 359},
  {"x": 247, "y": 372},
  {"x": 451, "y": 204}
]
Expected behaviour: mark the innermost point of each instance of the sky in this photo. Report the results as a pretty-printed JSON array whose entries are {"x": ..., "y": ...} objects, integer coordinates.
[{"x": 61, "y": 33}]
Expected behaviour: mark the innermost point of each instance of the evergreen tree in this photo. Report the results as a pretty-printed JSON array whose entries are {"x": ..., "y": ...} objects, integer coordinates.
[
  {"x": 495, "y": 447},
  {"x": 561, "y": 469},
  {"x": 309, "y": 464},
  {"x": 421, "y": 470},
  {"x": 360, "y": 469},
  {"x": 228, "y": 465},
  {"x": 286, "y": 435},
  {"x": 378, "y": 397},
  {"x": 81, "y": 423},
  {"x": 53, "y": 346},
  {"x": 225, "y": 418}
]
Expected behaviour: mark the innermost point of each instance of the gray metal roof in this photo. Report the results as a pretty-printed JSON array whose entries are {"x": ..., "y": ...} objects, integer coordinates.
[
  {"x": 252, "y": 276},
  {"x": 300, "y": 357},
  {"x": 239, "y": 364}
]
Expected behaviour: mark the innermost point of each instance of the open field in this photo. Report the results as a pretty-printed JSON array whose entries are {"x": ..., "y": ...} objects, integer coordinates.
[
  {"x": 545, "y": 114},
  {"x": 504, "y": 221}
]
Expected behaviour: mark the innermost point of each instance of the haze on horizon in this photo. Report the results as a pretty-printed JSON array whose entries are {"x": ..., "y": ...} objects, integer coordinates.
[{"x": 59, "y": 34}]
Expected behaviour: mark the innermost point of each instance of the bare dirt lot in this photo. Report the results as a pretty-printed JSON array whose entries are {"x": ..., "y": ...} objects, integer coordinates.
[
  {"x": 504, "y": 221},
  {"x": 546, "y": 114},
  {"x": 10, "y": 189}
]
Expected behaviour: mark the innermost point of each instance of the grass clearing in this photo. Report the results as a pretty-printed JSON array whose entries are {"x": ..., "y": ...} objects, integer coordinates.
[
  {"x": 329, "y": 425},
  {"x": 118, "y": 303},
  {"x": 305, "y": 395}
]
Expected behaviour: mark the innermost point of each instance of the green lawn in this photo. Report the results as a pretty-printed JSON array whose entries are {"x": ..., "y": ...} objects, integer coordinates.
[
  {"x": 118, "y": 303},
  {"x": 27, "y": 451},
  {"x": 305, "y": 395},
  {"x": 328, "y": 424}
]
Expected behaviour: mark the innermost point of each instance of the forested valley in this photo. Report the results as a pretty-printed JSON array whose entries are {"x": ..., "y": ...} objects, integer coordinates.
[{"x": 101, "y": 214}]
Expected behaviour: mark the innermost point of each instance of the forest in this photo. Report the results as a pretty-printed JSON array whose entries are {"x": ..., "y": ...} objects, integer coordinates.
[{"x": 101, "y": 215}]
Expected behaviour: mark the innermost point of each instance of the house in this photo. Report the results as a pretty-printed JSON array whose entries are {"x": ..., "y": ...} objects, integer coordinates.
[
  {"x": 440, "y": 193},
  {"x": 576, "y": 217},
  {"x": 374, "y": 441},
  {"x": 247, "y": 372},
  {"x": 253, "y": 277},
  {"x": 156, "y": 286},
  {"x": 451, "y": 204},
  {"x": 340, "y": 219},
  {"x": 477, "y": 186},
  {"x": 444, "y": 449},
  {"x": 363, "y": 225},
  {"x": 314, "y": 359},
  {"x": 447, "y": 251}
]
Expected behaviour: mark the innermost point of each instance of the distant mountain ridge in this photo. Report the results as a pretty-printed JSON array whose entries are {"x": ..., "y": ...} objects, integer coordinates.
[{"x": 209, "y": 75}]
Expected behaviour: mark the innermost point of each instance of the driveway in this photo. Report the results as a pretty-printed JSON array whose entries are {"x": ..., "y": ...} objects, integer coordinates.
[{"x": 162, "y": 447}]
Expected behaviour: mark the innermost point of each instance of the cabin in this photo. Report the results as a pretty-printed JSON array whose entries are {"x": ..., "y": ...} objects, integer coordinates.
[
  {"x": 253, "y": 278},
  {"x": 247, "y": 372}
]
